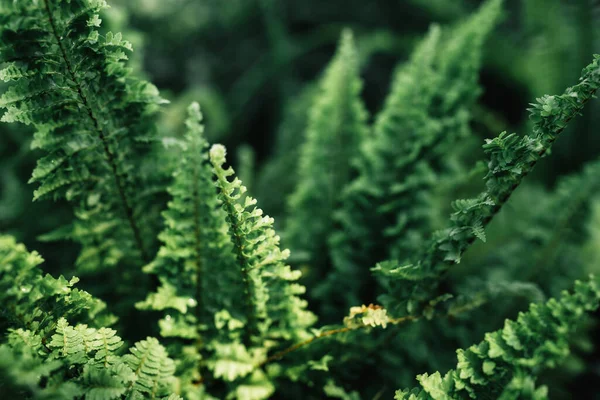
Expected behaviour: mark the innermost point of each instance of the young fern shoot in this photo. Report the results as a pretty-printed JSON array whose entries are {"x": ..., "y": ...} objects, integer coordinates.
[
  {"x": 274, "y": 312},
  {"x": 277, "y": 311}
]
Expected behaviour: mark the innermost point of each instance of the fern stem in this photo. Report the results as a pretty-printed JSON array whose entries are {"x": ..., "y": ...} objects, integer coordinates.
[
  {"x": 101, "y": 134},
  {"x": 450, "y": 313},
  {"x": 197, "y": 241},
  {"x": 332, "y": 332},
  {"x": 138, "y": 371}
]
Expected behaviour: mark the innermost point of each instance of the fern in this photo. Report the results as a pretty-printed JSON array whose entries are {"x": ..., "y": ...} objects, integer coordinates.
[
  {"x": 93, "y": 120},
  {"x": 386, "y": 209},
  {"x": 75, "y": 360},
  {"x": 210, "y": 242},
  {"x": 29, "y": 297},
  {"x": 511, "y": 158},
  {"x": 336, "y": 128},
  {"x": 272, "y": 300},
  {"x": 215, "y": 283},
  {"x": 152, "y": 369},
  {"x": 195, "y": 265},
  {"x": 22, "y": 372},
  {"x": 501, "y": 366}
]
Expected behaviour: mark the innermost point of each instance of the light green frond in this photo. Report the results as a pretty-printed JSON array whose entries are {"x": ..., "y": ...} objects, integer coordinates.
[
  {"x": 273, "y": 308},
  {"x": 152, "y": 369}
]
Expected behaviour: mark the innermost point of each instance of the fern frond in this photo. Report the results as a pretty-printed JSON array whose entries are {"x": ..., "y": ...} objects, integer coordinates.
[
  {"x": 273, "y": 308},
  {"x": 386, "y": 210},
  {"x": 22, "y": 371},
  {"x": 93, "y": 121},
  {"x": 77, "y": 359},
  {"x": 507, "y": 359},
  {"x": 510, "y": 159},
  {"x": 152, "y": 370},
  {"x": 231, "y": 293},
  {"x": 196, "y": 265},
  {"x": 29, "y": 298},
  {"x": 336, "y": 128}
]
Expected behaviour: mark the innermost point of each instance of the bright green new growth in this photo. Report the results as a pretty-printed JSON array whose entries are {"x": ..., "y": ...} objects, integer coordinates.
[
  {"x": 47, "y": 358},
  {"x": 510, "y": 159},
  {"x": 501, "y": 366},
  {"x": 224, "y": 287},
  {"x": 336, "y": 128},
  {"x": 93, "y": 121},
  {"x": 274, "y": 310},
  {"x": 386, "y": 210}
]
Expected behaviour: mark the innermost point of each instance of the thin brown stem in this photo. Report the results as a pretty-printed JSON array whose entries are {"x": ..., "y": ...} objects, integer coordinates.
[{"x": 331, "y": 332}]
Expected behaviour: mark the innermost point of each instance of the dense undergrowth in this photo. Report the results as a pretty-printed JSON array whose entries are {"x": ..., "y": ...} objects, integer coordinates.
[{"x": 409, "y": 229}]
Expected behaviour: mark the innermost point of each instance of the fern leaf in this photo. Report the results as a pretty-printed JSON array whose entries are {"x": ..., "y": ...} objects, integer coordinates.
[
  {"x": 92, "y": 118},
  {"x": 508, "y": 359},
  {"x": 196, "y": 237},
  {"x": 336, "y": 128},
  {"x": 152, "y": 369},
  {"x": 272, "y": 304},
  {"x": 196, "y": 265},
  {"x": 32, "y": 296},
  {"x": 78, "y": 360},
  {"x": 101, "y": 385},
  {"x": 511, "y": 158},
  {"x": 386, "y": 210}
]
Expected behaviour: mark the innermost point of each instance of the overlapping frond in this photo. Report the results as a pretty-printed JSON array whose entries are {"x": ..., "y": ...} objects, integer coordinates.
[
  {"x": 45, "y": 357},
  {"x": 510, "y": 159},
  {"x": 386, "y": 210}
]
